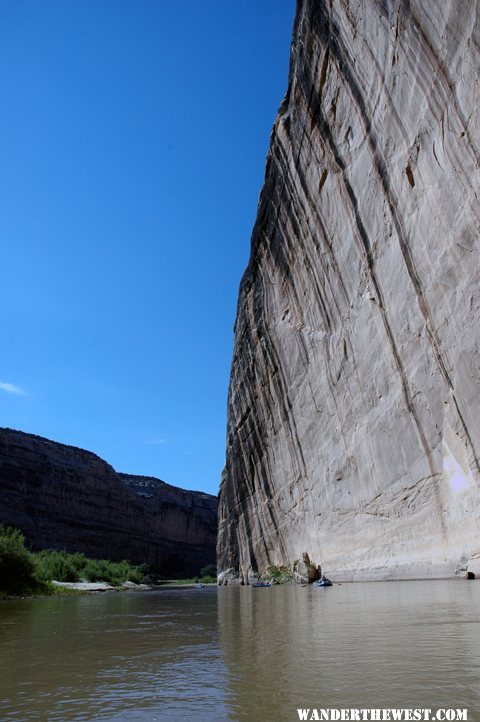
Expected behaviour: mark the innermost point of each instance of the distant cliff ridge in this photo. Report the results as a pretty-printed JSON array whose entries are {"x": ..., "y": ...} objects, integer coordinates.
[
  {"x": 66, "y": 498},
  {"x": 354, "y": 405}
]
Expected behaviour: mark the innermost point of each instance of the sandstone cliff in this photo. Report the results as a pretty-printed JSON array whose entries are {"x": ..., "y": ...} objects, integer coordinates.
[
  {"x": 354, "y": 406},
  {"x": 67, "y": 498}
]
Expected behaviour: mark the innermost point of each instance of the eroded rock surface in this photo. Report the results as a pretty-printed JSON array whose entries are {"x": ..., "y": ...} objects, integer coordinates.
[
  {"x": 63, "y": 497},
  {"x": 353, "y": 412}
]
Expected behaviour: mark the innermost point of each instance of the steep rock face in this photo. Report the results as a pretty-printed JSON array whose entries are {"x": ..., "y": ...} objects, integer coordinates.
[
  {"x": 353, "y": 412},
  {"x": 66, "y": 498}
]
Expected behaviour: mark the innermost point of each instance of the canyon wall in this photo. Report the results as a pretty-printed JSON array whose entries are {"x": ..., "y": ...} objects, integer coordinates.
[
  {"x": 354, "y": 406},
  {"x": 62, "y": 497}
]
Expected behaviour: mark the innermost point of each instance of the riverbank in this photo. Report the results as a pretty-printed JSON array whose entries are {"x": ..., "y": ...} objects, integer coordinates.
[
  {"x": 102, "y": 586},
  {"x": 24, "y": 573},
  {"x": 50, "y": 571}
]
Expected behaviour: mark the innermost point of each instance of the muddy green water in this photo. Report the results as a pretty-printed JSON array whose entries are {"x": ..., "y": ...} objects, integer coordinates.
[{"x": 240, "y": 653}]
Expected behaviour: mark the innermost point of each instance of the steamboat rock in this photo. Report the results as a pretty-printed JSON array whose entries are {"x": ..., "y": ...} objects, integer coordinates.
[
  {"x": 353, "y": 411},
  {"x": 62, "y": 497}
]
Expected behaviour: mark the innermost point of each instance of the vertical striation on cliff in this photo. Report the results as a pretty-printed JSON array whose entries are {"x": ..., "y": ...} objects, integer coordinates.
[{"x": 354, "y": 406}]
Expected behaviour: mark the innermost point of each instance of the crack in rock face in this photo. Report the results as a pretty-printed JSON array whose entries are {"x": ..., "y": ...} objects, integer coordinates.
[{"x": 354, "y": 404}]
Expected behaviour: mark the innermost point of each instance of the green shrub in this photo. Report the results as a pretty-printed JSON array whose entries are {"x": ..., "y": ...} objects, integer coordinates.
[
  {"x": 209, "y": 571},
  {"x": 208, "y": 575},
  {"x": 17, "y": 566},
  {"x": 140, "y": 575},
  {"x": 280, "y": 575},
  {"x": 65, "y": 567},
  {"x": 22, "y": 571},
  {"x": 59, "y": 565},
  {"x": 103, "y": 570}
]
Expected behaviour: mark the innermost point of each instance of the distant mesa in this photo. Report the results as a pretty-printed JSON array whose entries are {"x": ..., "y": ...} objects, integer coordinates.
[{"x": 63, "y": 497}]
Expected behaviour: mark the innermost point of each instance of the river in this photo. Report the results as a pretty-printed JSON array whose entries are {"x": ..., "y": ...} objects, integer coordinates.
[{"x": 240, "y": 653}]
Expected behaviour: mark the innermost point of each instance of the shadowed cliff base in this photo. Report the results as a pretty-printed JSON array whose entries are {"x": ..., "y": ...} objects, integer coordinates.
[
  {"x": 62, "y": 497},
  {"x": 354, "y": 399}
]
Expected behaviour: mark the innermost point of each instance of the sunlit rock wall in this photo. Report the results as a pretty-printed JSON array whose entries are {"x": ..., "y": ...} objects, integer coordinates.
[{"x": 353, "y": 412}]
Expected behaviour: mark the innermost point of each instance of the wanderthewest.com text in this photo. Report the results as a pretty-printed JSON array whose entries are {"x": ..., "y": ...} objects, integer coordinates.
[{"x": 383, "y": 715}]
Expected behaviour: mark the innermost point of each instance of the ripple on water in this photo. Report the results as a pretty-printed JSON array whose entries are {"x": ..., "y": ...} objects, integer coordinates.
[{"x": 233, "y": 653}]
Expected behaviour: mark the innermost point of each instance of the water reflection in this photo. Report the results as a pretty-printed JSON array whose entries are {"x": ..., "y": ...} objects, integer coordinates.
[
  {"x": 240, "y": 653},
  {"x": 111, "y": 657},
  {"x": 363, "y": 645}
]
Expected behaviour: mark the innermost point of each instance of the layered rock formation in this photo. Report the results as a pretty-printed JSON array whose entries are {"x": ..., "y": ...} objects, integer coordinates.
[
  {"x": 63, "y": 497},
  {"x": 354, "y": 406}
]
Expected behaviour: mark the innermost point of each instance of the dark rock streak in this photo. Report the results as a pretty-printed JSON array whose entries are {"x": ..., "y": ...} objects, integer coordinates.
[{"x": 354, "y": 400}]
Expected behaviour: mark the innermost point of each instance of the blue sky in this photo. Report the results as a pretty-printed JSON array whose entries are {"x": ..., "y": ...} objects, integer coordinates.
[{"x": 133, "y": 139}]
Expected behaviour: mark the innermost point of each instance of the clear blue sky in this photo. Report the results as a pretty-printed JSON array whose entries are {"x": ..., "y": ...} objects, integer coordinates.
[{"x": 133, "y": 137}]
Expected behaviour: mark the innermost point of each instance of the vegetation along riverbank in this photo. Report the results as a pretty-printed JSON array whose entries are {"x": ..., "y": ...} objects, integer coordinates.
[
  {"x": 23, "y": 572},
  {"x": 27, "y": 573}
]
